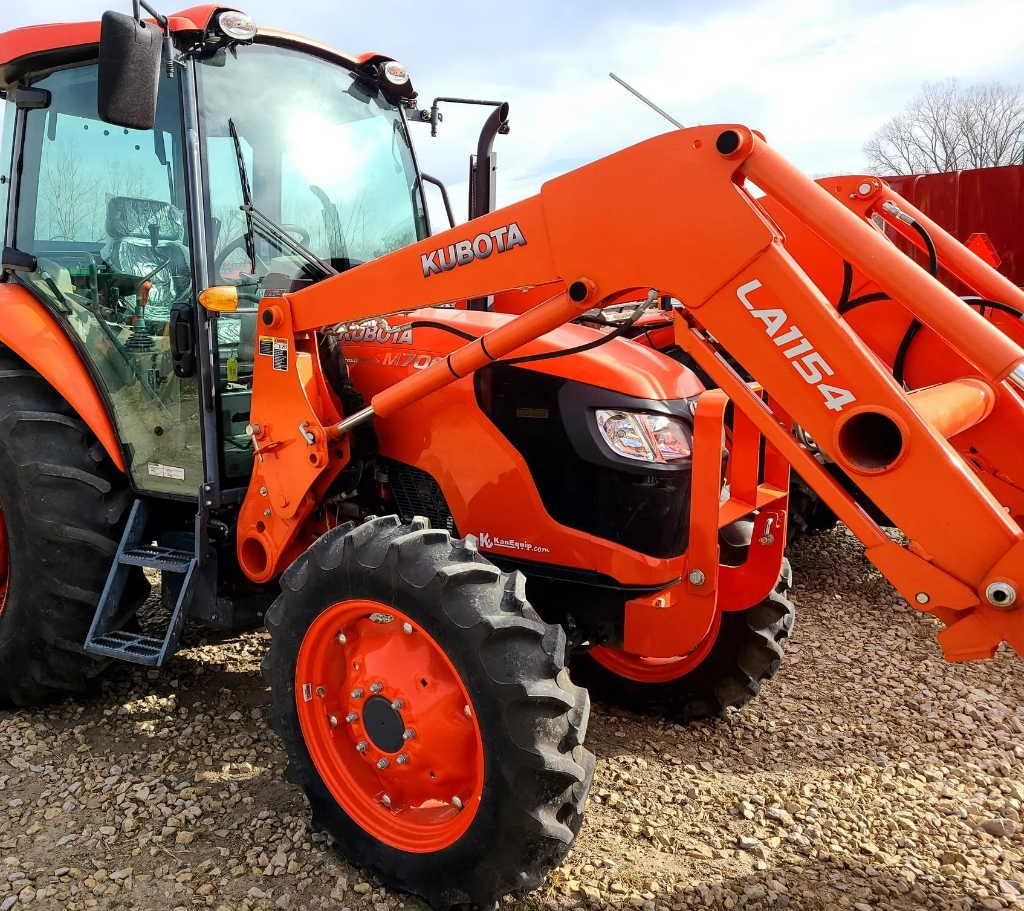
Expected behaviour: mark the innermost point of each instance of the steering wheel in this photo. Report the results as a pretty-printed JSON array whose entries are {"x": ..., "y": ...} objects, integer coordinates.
[{"x": 239, "y": 244}]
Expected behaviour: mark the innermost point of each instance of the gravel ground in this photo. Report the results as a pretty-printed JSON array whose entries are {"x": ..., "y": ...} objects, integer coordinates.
[{"x": 869, "y": 774}]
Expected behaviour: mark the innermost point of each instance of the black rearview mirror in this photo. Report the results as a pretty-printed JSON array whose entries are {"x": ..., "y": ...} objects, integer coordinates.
[{"x": 129, "y": 71}]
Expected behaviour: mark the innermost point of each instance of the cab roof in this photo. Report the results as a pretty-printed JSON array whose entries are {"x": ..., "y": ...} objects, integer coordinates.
[{"x": 43, "y": 46}]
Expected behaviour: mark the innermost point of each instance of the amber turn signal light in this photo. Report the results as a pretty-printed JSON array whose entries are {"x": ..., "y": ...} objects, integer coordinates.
[{"x": 220, "y": 298}]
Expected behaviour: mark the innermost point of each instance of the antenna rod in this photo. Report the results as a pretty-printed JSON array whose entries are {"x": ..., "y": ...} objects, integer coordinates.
[{"x": 647, "y": 101}]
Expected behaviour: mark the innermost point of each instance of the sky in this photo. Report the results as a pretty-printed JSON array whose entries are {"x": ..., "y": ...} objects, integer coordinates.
[{"x": 817, "y": 77}]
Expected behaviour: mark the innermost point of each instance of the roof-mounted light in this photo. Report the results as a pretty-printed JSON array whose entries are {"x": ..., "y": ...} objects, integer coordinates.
[
  {"x": 236, "y": 25},
  {"x": 395, "y": 73}
]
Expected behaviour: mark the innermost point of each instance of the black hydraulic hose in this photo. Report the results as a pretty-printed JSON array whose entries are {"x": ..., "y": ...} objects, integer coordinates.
[
  {"x": 933, "y": 256},
  {"x": 899, "y": 361},
  {"x": 529, "y": 358},
  {"x": 616, "y": 333},
  {"x": 845, "y": 305}
]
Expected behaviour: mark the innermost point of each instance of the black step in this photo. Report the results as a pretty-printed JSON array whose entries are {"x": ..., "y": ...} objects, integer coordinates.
[
  {"x": 152, "y": 556},
  {"x": 127, "y": 646},
  {"x": 107, "y": 635}
]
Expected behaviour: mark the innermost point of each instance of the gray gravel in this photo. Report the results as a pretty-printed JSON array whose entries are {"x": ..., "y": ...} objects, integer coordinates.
[{"x": 870, "y": 774}]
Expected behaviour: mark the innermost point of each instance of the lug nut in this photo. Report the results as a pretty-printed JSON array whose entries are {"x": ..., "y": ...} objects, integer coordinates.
[
  {"x": 407, "y": 628},
  {"x": 402, "y": 758},
  {"x": 386, "y": 801},
  {"x": 408, "y": 734},
  {"x": 351, "y": 717},
  {"x": 357, "y": 693},
  {"x": 333, "y": 720},
  {"x": 383, "y": 762},
  {"x": 376, "y": 687},
  {"x": 456, "y": 802},
  {"x": 342, "y": 638},
  {"x": 320, "y": 692},
  {"x": 361, "y": 746},
  {"x": 398, "y": 704}
]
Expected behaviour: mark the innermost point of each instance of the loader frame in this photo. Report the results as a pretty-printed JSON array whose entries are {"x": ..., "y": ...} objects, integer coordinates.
[{"x": 715, "y": 249}]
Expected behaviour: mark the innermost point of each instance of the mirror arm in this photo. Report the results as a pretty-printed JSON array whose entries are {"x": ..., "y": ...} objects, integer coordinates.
[{"x": 162, "y": 22}]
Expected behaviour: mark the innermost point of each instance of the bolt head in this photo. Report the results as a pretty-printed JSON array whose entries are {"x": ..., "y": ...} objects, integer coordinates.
[
  {"x": 321, "y": 692},
  {"x": 408, "y": 734},
  {"x": 376, "y": 687},
  {"x": 361, "y": 746},
  {"x": 398, "y": 704},
  {"x": 697, "y": 577},
  {"x": 383, "y": 762},
  {"x": 402, "y": 758},
  {"x": 267, "y": 512},
  {"x": 333, "y": 720},
  {"x": 456, "y": 802},
  {"x": 263, "y": 491},
  {"x": 407, "y": 628},
  {"x": 342, "y": 638},
  {"x": 357, "y": 693},
  {"x": 922, "y": 598},
  {"x": 468, "y": 711},
  {"x": 351, "y": 717},
  {"x": 386, "y": 801}
]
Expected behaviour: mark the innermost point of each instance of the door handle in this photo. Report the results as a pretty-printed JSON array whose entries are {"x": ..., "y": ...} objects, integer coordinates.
[{"x": 182, "y": 335}]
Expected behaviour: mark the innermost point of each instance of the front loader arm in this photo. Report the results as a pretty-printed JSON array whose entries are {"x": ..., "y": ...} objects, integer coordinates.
[{"x": 673, "y": 214}]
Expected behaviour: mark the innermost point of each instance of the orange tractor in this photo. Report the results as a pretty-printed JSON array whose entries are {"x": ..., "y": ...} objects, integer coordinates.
[{"x": 437, "y": 466}]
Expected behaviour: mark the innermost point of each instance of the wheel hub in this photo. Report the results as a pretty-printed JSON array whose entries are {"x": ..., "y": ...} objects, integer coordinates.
[
  {"x": 389, "y": 725},
  {"x": 383, "y": 724}
]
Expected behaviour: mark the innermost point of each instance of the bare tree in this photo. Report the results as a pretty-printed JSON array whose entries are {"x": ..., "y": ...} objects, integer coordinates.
[
  {"x": 948, "y": 127},
  {"x": 64, "y": 204}
]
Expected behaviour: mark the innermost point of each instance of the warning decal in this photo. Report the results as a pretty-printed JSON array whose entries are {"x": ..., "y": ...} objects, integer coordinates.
[
  {"x": 277, "y": 348},
  {"x": 280, "y": 354}
]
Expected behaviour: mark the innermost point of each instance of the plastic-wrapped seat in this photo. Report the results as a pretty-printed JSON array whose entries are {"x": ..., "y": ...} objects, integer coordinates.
[{"x": 147, "y": 239}]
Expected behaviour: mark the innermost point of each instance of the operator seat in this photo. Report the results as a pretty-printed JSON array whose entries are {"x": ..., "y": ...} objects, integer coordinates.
[{"x": 145, "y": 234}]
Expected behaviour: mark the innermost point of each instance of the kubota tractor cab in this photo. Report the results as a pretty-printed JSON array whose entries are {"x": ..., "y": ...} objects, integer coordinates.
[{"x": 232, "y": 352}]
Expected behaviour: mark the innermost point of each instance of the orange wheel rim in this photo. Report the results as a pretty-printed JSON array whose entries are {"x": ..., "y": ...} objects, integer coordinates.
[
  {"x": 389, "y": 726},
  {"x": 654, "y": 670},
  {"x": 4, "y": 562}
]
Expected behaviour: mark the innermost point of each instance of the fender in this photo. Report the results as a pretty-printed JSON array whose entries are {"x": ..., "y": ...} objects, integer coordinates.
[{"x": 34, "y": 334}]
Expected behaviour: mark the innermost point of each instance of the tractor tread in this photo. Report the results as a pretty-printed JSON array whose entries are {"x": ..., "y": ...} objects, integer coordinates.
[
  {"x": 748, "y": 651},
  {"x": 64, "y": 505},
  {"x": 532, "y": 717}
]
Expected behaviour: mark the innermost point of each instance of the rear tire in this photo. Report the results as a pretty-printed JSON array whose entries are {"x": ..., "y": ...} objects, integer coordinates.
[
  {"x": 441, "y": 603},
  {"x": 746, "y": 652},
  {"x": 63, "y": 504}
]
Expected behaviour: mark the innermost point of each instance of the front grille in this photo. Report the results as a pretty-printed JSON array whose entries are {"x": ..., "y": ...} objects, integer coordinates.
[{"x": 418, "y": 494}]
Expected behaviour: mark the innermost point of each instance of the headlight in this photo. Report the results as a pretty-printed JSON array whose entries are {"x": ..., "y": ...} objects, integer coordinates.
[
  {"x": 237, "y": 25},
  {"x": 644, "y": 437}
]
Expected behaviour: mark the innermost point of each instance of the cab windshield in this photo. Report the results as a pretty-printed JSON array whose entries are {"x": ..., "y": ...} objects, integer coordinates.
[{"x": 327, "y": 155}]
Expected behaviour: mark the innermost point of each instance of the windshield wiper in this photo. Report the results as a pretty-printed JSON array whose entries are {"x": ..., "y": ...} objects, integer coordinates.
[
  {"x": 268, "y": 225},
  {"x": 243, "y": 176}
]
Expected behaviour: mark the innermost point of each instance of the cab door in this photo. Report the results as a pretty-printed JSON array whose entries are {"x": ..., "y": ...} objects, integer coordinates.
[{"x": 104, "y": 211}]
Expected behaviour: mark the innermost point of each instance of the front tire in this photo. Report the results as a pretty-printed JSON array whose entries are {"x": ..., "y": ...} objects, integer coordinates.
[
  {"x": 388, "y": 628},
  {"x": 726, "y": 673}
]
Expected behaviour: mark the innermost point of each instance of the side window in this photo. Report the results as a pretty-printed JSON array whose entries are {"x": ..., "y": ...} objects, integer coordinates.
[{"x": 103, "y": 209}]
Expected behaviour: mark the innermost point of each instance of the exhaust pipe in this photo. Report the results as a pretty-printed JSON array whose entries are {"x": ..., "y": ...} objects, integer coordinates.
[{"x": 484, "y": 165}]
